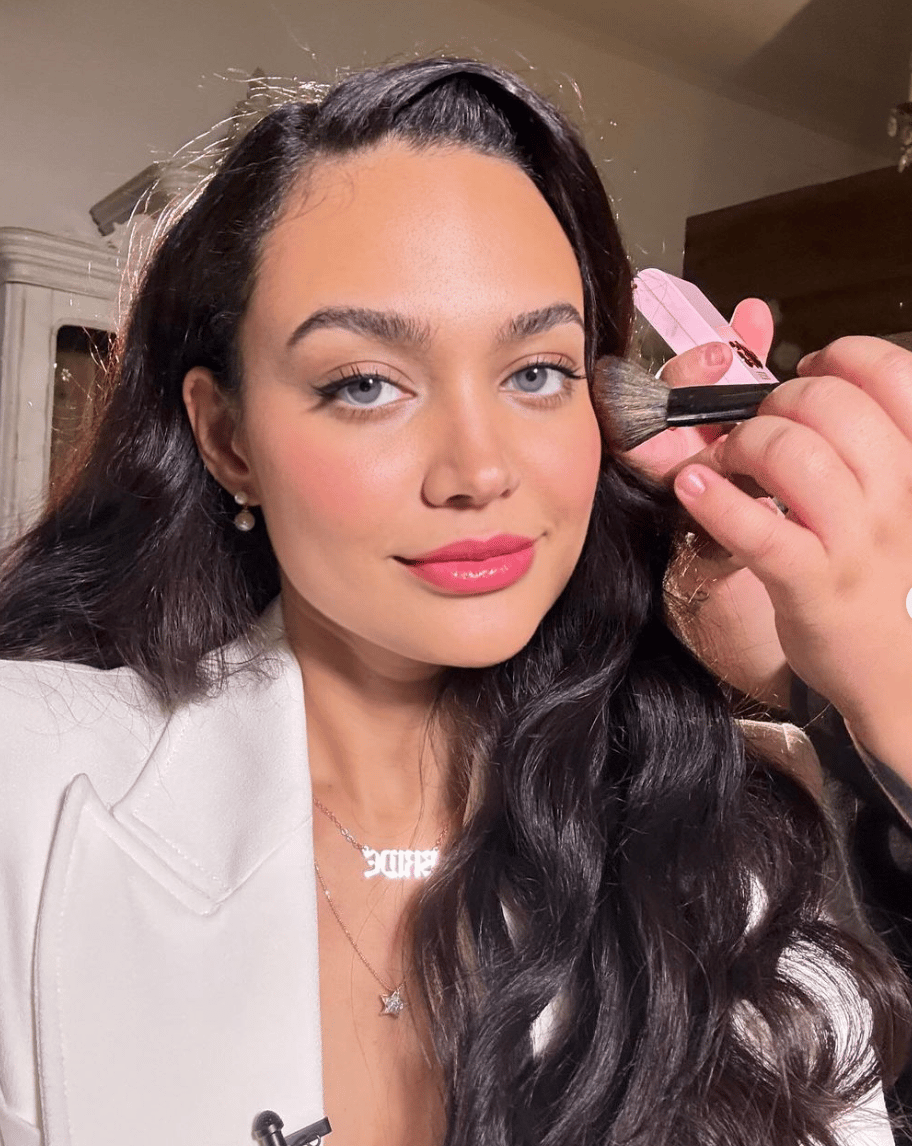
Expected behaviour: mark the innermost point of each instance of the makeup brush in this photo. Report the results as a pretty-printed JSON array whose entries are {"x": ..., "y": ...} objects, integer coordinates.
[{"x": 633, "y": 405}]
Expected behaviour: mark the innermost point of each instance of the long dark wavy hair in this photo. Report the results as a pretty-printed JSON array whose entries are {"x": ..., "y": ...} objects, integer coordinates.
[{"x": 629, "y": 866}]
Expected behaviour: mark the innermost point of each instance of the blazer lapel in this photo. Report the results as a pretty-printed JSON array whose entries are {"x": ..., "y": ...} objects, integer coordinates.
[{"x": 177, "y": 966}]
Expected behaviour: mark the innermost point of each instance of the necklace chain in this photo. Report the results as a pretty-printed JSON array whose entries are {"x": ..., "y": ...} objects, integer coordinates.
[
  {"x": 393, "y": 1002},
  {"x": 417, "y": 864},
  {"x": 342, "y": 828},
  {"x": 351, "y": 839}
]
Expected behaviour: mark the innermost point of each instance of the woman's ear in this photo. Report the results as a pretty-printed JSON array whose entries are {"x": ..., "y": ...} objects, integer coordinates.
[{"x": 214, "y": 419}]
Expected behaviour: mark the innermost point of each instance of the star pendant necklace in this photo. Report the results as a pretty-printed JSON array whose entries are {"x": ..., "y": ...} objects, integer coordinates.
[
  {"x": 393, "y": 863},
  {"x": 392, "y": 1000}
]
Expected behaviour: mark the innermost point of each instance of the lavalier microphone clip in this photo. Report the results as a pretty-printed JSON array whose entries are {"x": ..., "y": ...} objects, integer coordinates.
[{"x": 267, "y": 1130}]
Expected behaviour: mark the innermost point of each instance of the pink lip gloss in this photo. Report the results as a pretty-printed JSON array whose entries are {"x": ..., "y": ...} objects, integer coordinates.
[
  {"x": 475, "y": 576},
  {"x": 475, "y": 566}
]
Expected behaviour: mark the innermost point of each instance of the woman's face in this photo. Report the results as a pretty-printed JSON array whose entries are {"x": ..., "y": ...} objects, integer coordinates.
[{"x": 413, "y": 361}]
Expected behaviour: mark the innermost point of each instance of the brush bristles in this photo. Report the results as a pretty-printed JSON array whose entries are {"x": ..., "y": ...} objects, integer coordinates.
[{"x": 630, "y": 403}]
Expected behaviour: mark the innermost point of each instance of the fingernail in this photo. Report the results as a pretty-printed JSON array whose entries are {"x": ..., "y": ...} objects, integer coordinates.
[
  {"x": 803, "y": 362},
  {"x": 714, "y": 354},
  {"x": 716, "y": 448},
  {"x": 690, "y": 483}
]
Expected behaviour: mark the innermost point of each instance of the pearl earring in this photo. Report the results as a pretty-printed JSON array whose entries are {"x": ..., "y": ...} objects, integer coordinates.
[{"x": 244, "y": 521}]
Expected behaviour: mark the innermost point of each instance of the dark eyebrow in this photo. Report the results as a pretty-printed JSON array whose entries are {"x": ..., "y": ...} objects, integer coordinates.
[
  {"x": 385, "y": 325},
  {"x": 539, "y": 321}
]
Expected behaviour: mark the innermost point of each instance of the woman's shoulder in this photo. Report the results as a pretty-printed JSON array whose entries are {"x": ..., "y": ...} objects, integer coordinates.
[
  {"x": 58, "y": 720},
  {"x": 23, "y": 677},
  {"x": 52, "y": 697},
  {"x": 62, "y": 719}
]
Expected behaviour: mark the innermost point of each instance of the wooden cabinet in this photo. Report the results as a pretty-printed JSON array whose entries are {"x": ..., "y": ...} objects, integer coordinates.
[{"x": 832, "y": 259}]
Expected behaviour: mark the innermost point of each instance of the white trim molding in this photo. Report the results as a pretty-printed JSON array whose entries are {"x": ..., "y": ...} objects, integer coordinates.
[
  {"x": 46, "y": 282},
  {"x": 58, "y": 264}
]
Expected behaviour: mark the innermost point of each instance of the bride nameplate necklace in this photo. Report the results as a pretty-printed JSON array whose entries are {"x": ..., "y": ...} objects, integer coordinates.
[{"x": 391, "y": 863}]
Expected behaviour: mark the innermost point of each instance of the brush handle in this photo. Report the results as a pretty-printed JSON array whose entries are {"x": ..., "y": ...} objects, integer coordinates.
[{"x": 703, "y": 405}]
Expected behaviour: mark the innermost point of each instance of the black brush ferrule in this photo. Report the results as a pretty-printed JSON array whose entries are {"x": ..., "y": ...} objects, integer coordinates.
[{"x": 703, "y": 405}]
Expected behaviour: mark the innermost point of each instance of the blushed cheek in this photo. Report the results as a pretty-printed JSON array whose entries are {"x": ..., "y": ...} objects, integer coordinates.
[
  {"x": 323, "y": 491},
  {"x": 571, "y": 464}
]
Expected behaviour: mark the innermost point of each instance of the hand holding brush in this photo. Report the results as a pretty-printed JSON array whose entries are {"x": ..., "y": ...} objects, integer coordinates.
[
  {"x": 835, "y": 446},
  {"x": 724, "y": 611},
  {"x": 637, "y": 405},
  {"x": 833, "y": 576}
]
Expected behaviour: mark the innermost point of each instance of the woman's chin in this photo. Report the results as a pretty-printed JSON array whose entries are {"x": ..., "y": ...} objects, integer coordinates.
[{"x": 477, "y": 650}]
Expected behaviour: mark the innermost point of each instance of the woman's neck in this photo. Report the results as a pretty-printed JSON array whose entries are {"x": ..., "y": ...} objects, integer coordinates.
[{"x": 377, "y": 756}]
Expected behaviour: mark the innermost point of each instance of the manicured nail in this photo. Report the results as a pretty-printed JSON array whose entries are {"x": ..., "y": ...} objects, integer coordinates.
[
  {"x": 714, "y": 354},
  {"x": 719, "y": 444},
  {"x": 690, "y": 483}
]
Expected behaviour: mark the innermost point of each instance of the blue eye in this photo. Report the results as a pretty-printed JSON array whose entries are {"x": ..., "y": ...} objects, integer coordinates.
[
  {"x": 366, "y": 390},
  {"x": 541, "y": 378}
]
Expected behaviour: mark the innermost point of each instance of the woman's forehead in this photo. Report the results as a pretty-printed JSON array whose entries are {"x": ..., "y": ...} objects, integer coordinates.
[{"x": 434, "y": 228}]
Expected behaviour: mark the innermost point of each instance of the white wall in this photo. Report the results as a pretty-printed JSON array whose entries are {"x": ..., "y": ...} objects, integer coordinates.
[{"x": 93, "y": 90}]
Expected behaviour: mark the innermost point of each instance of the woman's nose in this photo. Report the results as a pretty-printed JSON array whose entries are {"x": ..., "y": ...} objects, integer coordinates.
[{"x": 470, "y": 460}]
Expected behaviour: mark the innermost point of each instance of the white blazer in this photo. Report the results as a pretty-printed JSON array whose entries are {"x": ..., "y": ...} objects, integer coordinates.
[
  {"x": 168, "y": 863},
  {"x": 158, "y": 937}
]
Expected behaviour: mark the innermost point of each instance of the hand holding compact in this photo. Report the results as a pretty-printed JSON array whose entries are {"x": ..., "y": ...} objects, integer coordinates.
[
  {"x": 703, "y": 366},
  {"x": 835, "y": 446}
]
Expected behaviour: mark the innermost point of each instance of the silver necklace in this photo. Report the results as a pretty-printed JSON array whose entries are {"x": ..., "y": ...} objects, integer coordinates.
[
  {"x": 392, "y": 863},
  {"x": 392, "y": 1000}
]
